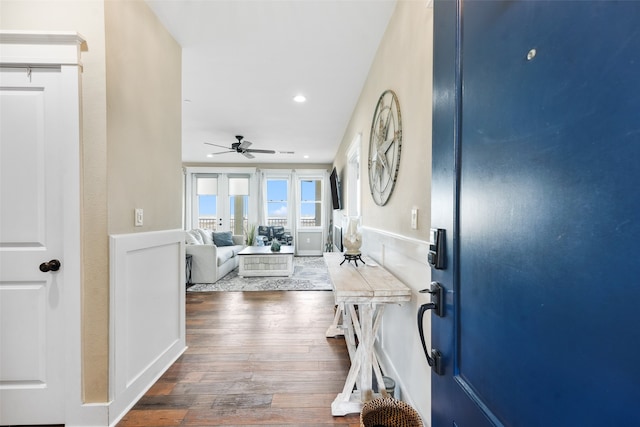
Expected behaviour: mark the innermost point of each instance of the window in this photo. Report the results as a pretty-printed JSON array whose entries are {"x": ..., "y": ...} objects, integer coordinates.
[
  {"x": 238, "y": 204},
  {"x": 278, "y": 202},
  {"x": 206, "y": 201},
  {"x": 310, "y": 203}
]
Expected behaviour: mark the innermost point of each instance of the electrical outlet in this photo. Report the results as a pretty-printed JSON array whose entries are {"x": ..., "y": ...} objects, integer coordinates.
[
  {"x": 139, "y": 217},
  {"x": 414, "y": 218}
]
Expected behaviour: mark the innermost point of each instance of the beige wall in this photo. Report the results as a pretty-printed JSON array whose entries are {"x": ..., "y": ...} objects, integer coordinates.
[
  {"x": 86, "y": 18},
  {"x": 403, "y": 63},
  {"x": 143, "y": 118},
  {"x": 142, "y": 90}
]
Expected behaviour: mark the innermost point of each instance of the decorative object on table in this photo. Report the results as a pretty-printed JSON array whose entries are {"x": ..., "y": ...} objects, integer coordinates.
[
  {"x": 275, "y": 245},
  {"x": 385, "y": 143},
  {"x": 250, "y": 233},
  {"x": 352, "y": 239}
]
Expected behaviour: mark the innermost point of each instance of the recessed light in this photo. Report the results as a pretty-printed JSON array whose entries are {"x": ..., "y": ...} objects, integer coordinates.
[
  {"x": 210, "y": 155},
  {"x": 306, "y": 156},
  {"x": 300, "y": 98}
]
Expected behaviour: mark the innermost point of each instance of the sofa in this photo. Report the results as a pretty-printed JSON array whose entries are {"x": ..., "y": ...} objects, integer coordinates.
[
  {"x": 266, "y": 233},
  {"x": 213, "y": 254}
]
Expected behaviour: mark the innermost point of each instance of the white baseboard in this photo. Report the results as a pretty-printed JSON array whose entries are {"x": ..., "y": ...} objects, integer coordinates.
[{"x": 88, "y": 415}]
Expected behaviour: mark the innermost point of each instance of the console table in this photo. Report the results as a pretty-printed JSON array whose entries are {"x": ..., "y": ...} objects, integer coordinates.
[{"x": 361, "y": 294}]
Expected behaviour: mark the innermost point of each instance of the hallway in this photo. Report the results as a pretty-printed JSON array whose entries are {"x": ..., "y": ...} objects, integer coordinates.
[{"x": 254, "y": 359}]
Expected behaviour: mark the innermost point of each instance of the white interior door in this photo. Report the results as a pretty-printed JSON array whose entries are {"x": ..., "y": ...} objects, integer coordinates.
[{"x": 32, "y": 328}]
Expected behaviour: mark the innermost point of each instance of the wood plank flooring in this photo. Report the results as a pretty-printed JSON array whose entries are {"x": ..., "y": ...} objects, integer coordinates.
[{"x": 254, "y": 359}]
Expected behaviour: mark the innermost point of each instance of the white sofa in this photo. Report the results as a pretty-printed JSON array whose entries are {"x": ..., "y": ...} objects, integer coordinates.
[{"x": 211, "y": 262}]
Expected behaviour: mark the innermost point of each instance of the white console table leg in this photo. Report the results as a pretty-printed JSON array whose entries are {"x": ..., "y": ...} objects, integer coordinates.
[
  {"x": 337, "y": 328},
  {"x": 365, "y": 326}
]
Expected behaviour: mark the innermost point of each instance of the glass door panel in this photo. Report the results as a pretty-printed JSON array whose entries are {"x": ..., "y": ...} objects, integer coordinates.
[
  {"x": 238, "y": 190},
  {"x": 310, "y": 203},
  {"x": 206, "y": 202},
  {"x": 278, "y": 202}
]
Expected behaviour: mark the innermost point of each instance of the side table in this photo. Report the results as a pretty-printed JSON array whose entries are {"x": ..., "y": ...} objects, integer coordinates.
[{"x": 187, "y": 269}]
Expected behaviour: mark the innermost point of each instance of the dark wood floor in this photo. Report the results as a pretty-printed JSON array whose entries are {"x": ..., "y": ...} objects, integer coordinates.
[{"x": 254, "y": 359}]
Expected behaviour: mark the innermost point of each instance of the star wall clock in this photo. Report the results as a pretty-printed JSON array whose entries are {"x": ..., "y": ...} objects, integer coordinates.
[{"x": 385, "y": 144}]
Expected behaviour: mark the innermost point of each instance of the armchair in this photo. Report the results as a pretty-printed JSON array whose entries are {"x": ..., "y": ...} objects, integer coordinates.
[{"x": 266, "y": 233}]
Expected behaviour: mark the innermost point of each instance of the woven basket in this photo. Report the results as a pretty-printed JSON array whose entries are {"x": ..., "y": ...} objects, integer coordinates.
[{"x": 388, "y": 412}]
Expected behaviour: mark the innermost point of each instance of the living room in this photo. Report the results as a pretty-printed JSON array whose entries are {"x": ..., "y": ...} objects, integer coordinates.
[{"x": 132, "y": 158}]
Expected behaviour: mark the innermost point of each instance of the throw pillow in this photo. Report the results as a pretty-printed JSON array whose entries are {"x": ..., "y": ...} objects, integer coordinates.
[
  {"x": 222, "y": 238},
  {"x": 206, "y": 236},
  {"x": 193, "y": 238}
]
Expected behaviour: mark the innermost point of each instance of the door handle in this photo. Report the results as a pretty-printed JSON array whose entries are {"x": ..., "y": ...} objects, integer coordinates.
[
  {"x": 53, "y": 265},
  {"x": 434, "y": 358}
]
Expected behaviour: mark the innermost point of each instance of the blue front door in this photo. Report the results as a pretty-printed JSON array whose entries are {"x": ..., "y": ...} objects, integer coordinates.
[{"x": 536, "y": 181}]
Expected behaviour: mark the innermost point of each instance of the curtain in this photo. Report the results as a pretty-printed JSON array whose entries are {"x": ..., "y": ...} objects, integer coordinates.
[
  {"x": 293, "y": 207},
  {"x": 262, "y": 191}
]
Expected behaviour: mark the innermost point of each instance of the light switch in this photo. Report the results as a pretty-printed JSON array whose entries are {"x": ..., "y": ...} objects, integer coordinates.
[
  {"x": 414, "y": 218},
  {"x": 139, "y": 216}
]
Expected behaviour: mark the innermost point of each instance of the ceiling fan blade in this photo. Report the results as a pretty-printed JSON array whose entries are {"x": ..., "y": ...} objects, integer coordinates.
[
  {"x": 248, "y": 155},
  {"x": 224, "y": 152},
  {"x": 216, "y": 145},
  {"x": 244, "y": 144},
  {"x": 251, "y": 150}
]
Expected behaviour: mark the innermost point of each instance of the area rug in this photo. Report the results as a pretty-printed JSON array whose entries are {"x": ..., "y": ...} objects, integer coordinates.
[{"x": 309, "y": 274}]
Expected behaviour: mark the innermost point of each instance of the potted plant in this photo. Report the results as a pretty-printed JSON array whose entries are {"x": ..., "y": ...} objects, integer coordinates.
[{"x": 250, "y": 234}]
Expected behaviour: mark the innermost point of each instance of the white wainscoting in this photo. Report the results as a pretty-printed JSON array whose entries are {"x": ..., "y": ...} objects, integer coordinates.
[
  {"x": 147, "y": 313},
  {"x": 309, "y": 243},
  {"x": 398, "y": 343}
]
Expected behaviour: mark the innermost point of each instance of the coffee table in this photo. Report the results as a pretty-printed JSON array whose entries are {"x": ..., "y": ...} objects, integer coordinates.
[{"x": 262, "y": 261}]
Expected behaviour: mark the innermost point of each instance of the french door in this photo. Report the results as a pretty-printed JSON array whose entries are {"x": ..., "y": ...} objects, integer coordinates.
[
  {"x": 220, "y": 201},
  {"x": 311, "y": 212}
]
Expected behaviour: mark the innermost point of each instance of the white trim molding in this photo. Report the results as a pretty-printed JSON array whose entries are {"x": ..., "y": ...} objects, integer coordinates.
[{"x": 147, "y": 313}]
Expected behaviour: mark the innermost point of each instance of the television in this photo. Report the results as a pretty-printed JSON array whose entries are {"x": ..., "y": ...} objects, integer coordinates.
[{"x": 335, "y": 190}]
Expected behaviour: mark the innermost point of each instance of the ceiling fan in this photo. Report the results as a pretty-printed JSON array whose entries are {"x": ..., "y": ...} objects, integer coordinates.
[{"x": 242, "y": 147}]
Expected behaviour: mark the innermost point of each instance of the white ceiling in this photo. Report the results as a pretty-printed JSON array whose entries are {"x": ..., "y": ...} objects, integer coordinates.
[{"x": 243, "y": 61}]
